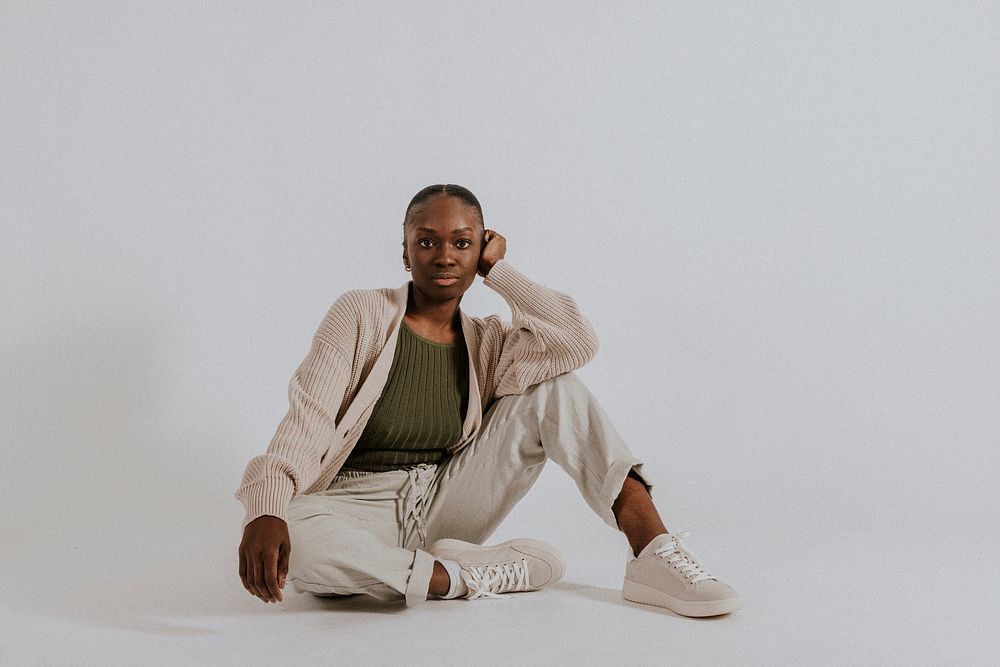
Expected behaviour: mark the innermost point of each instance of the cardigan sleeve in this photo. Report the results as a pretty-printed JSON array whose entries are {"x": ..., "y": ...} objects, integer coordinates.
[
  {"x": 548, "y": 335},
  {"x": 293, "y": 458}
]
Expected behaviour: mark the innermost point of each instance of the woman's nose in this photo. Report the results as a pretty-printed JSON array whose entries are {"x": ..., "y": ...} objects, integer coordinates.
[{"x": 445, "y": 258}]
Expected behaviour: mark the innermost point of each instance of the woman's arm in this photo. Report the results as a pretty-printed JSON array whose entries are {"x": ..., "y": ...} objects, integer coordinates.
[
  {"x": 315, "y": 392},
  {"x": 293, "y": 459},
  {"x": 548, "y": 334}
]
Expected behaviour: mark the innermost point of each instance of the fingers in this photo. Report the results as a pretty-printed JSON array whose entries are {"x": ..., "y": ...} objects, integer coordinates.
[
  {"x": 494, "y": 249},
  {"x": 263, "y": 555},
  {"x": 259, "y": 583},
  {"x": 243, "y": 571},
  {"x": 252, "y": 572},
  {"x": 271, "y": 577},
  {"x": 251, "y": 583},
  {"x": 283, "y": 564},
  {"x": 248, "y": 573}
]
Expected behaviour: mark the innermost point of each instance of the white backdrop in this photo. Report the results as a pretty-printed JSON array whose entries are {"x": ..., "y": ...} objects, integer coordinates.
[{"x": 781, "y": 220}]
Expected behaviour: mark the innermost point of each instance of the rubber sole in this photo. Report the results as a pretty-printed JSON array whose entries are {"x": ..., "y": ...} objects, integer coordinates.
[{"x": 635, "y": 592}]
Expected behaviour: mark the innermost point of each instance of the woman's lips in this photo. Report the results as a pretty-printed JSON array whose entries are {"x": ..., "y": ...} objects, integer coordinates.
[{"x": 444, "y": 282}]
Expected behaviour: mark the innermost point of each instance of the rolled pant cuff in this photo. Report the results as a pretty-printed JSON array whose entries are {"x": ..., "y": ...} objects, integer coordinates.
[
  {"x": 420, "y": 577},
  {"x": 613, "y": 483}
]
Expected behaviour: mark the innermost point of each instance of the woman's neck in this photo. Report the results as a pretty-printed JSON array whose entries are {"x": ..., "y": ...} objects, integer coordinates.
[{"x": 441, "y": 315}]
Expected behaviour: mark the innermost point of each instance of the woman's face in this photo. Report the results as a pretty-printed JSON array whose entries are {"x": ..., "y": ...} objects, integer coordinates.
[{"x": 443, "y": 237}]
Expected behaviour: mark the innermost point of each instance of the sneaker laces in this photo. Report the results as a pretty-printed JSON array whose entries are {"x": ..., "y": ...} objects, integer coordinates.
[
  {"x": 682, "y": 559},
  {"x": 488, "y": 581}
]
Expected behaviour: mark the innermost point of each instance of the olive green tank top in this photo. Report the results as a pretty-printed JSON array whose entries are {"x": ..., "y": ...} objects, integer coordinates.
[{"x": 421, "y": 409}]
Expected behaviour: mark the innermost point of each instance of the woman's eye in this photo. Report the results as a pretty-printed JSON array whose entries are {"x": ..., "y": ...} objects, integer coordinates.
[
  {"x": 465, "y": 241},
  {"x": 421, "y": 242}
]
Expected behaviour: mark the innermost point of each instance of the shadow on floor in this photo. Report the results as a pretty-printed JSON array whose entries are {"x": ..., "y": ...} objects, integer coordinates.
[{"x": 613, "y": 596}]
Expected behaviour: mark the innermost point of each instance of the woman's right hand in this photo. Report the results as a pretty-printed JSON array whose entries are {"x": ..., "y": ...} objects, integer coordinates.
[{"x": 264, "y": 557}]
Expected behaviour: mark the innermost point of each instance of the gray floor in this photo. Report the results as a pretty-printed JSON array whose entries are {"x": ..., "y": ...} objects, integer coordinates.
[{"x": 867, "y": 596}]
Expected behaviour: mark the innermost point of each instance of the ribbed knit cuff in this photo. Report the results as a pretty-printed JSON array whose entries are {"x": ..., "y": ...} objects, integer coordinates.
[
  {"x": 270, "y": 496},
  {"x": 505, "y": 279}
]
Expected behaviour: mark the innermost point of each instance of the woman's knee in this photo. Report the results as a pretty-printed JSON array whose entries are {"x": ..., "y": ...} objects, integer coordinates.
[
  {"x": 565, "y": 386},
  {"x": 569, "y": 377}
]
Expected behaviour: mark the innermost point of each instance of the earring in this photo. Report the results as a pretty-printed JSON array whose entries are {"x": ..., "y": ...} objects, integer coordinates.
[{"x": 407, "y": 267}]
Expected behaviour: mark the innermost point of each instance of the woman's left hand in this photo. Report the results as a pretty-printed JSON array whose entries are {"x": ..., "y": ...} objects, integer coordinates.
[{"x": 494, "y": 248}]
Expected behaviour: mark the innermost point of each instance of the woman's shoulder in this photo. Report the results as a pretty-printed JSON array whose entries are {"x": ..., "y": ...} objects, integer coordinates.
[
  {"x": 363, "y": 298},
  {"x": 354, "y": 307}
]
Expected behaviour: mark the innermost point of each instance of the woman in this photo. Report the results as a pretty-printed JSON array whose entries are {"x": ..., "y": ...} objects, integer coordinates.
[{"x": 413, "y": 429}]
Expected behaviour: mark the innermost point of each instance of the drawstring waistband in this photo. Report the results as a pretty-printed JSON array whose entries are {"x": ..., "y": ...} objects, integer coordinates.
[
  {"x": 420, "y": 480},
  {"x": 353, "y": 474}
]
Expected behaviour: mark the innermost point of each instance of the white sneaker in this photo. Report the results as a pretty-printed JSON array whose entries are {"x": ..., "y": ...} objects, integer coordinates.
[
  {"x": 666, "y": 574},
  {"x": 512, "y": 566}
]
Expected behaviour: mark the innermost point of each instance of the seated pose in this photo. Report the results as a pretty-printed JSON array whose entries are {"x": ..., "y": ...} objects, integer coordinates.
[{"x": 413, "y": 430}]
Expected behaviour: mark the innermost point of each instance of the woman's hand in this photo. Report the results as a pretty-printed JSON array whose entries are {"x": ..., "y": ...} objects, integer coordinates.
[
  {"x": 494, "y": 248},
  {"x": 264, "y": 557}
]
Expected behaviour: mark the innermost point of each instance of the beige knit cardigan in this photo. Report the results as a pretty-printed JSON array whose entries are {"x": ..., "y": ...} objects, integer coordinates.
[{"x": 334, "y": 390}]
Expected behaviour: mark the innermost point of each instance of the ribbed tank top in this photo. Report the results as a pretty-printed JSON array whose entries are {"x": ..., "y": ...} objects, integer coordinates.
[{"x": 421, "y": 409}]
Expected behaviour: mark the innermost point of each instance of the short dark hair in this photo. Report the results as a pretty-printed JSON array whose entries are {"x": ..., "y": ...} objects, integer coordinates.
[{"x": 443, "y": 189}]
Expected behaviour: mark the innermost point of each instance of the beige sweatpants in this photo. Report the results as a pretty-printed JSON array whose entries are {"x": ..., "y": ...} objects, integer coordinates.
[{"x": 368, "y": 532}]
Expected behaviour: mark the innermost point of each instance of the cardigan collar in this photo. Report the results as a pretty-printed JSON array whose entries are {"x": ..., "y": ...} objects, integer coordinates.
[{"x": 473, "y": 412}]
